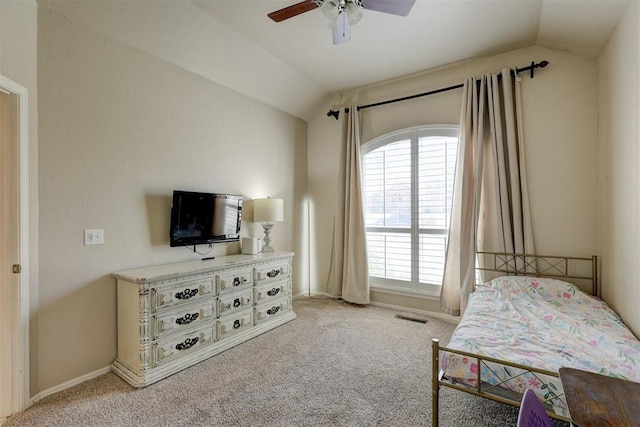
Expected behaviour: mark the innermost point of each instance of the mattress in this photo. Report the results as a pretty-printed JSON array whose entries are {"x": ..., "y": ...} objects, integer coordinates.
[{"x": 540, "y": 323}]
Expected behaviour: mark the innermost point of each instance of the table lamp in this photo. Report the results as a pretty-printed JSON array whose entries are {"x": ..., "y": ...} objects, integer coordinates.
[{"x": 268, "y": 211}]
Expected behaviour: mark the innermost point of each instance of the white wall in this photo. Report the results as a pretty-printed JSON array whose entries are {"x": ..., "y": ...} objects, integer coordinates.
[
  {"x": 560, "y": 123},
  {"x": 619, "y": 166},
  {"x": 18, "y": 62},
  {"x": 120, "y": 130}
]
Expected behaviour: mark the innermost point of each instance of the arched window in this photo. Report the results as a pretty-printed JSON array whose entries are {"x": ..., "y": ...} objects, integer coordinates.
[{"x": 408, "y": 183}]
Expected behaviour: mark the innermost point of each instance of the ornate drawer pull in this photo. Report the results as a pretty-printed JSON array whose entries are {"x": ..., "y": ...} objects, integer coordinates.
[
  {"x": 273, "y": 273},
  {"x": 273, "y": 292},
  {"x": 236, "y": 302},
  {"x": 236, "y": 281},
  {"x": 188, "y": 343},
  {"x": 236, "y": 324},
  {"x": 187, "y": 318},
  {"x": 273, "y": 310},
  {"x": 187, "y": 293}
]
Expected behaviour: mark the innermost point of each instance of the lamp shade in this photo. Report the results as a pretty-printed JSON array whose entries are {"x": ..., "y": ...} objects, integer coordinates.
[{"x": 268, "y": 210}]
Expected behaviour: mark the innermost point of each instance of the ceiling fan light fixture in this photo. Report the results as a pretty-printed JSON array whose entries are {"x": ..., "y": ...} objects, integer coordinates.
[
  {"x": 330, "y": 9},
  {"x": 354, "y": 12}
]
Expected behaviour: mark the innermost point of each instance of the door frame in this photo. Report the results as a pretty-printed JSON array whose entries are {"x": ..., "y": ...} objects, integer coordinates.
[{"x": 18, "y": 392}]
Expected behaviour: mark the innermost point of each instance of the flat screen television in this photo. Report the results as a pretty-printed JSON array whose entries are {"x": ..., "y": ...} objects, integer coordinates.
[{"x": 204, "y": 218}]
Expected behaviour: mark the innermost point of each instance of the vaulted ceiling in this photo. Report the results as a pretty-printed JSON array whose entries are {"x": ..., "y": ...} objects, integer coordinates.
[{"x": 293, "y": 64}]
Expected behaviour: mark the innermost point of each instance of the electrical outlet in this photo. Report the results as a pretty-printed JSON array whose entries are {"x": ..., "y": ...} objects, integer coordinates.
[{"x": 94, "y": 236}]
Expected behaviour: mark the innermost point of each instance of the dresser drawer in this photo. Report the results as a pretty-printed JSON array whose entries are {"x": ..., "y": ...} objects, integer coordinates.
[
  {"x": 234, "y": 324},
  {"x": 167, "y": 350},
  {"x": 182, "y": 317},
  {"x": 271, "y": 310},
  {"x": 234, "y": 280},
  {"x": 271, "y": 291},
  {"x": 176, "y": 293},
  {"x": 271, "y": 272},
  {"x": 235, "y": 302}
]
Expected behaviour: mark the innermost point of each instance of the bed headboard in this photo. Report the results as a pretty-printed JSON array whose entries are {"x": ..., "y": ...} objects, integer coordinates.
[{"x": 577, "y": 270}]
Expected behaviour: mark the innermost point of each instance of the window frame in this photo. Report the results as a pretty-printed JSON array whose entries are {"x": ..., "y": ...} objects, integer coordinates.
[{"x": 430, "y": 291}]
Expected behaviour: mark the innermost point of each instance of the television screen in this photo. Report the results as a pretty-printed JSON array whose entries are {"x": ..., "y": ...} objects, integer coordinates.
[{"x": 204, "y": 218}]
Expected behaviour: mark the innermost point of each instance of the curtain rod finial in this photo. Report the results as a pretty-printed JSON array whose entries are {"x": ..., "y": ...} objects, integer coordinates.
[
  {"x": 540, "y": 64},
  {"x": 333, "y": 113}
]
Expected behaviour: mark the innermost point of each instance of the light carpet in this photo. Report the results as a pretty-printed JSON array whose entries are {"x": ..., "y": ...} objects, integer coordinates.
[{"x": 337, "y": 364}]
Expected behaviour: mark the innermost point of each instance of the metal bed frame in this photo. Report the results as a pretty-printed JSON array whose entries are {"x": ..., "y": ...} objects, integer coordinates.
[{"x": 577, "y": 270}]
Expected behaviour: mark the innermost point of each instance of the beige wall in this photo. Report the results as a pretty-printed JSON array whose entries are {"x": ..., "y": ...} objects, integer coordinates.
[
  {"x": 619, "y": 168},
  {"x": 18, "y": 62},
  {"x": 120, "y": 130},
  {"x": 561, "y": 127}
]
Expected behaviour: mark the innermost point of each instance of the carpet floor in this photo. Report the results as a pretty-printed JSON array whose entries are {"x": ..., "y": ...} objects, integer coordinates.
[{"x": 337, "y": 364}]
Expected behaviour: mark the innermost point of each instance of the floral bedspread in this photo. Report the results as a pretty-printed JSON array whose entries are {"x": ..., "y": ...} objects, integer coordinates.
[{"x": 543, "y": 323}]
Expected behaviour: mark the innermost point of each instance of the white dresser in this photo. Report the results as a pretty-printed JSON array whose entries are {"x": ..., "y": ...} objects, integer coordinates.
[{"x": 175, "y": 315}]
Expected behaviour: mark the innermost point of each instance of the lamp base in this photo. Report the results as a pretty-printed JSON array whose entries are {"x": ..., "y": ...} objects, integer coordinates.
[{"x": 267, "y": 238}]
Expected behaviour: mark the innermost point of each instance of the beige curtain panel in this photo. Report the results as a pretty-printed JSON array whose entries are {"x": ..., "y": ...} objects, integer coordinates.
[
  {"x": 490, "y": 207},
  {"x": 349, "y": 271}
]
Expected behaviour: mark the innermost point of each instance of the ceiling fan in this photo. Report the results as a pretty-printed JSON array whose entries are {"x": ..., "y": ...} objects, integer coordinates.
[{"x": 342, "y": 14}]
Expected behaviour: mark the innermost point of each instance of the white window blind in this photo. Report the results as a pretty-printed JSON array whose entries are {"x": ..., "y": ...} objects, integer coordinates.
[{"x": 408, "y": 183}]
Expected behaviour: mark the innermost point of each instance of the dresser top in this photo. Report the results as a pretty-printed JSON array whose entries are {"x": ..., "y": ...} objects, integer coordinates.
[{"x": 166, "y": 271}]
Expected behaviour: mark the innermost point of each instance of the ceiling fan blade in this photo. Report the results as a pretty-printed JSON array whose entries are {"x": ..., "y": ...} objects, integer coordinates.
[
  {"x": 293, "y": 10},
  {"x": 342, "y": 31},
  {"x": 394, "y": 7}
]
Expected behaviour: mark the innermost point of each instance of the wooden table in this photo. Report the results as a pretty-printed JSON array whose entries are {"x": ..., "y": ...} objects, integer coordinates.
[{"x": 598, "y": 400}]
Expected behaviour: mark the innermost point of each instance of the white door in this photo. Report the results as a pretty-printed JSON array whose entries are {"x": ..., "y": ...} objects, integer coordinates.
[{"x": 13, "y": 291}]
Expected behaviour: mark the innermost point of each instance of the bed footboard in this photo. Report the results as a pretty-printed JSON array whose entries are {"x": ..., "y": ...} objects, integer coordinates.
[{"x": 501, "y": 392}]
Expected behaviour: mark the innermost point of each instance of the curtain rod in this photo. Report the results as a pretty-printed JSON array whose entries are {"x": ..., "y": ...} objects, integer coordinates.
[{"x": 530, "y": 68}]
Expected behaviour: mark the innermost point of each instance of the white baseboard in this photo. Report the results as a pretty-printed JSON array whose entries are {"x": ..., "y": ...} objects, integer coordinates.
[
  {"x": 442, "y": 316},
  {"x": 303, "y": 295},
  {"x": 70, "y": 383}
]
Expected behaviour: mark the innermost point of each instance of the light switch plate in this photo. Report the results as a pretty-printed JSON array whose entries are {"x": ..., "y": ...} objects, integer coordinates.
[{"x": 94, "y": 236}]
